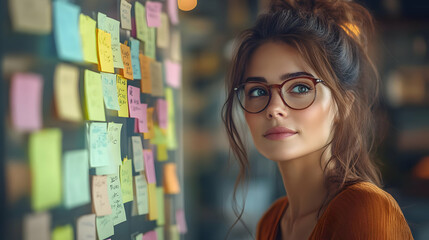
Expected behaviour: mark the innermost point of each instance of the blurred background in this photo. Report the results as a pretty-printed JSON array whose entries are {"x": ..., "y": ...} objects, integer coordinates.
[{"x": 402, "y": 58}]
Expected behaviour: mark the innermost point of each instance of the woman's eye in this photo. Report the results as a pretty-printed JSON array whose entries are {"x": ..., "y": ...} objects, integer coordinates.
[
  {"x": 300, "y": 89},
  {"x": 257, "y": 92}
]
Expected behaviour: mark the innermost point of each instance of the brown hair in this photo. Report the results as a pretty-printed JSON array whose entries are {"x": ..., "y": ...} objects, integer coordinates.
[{"x": 332, "y": 38}]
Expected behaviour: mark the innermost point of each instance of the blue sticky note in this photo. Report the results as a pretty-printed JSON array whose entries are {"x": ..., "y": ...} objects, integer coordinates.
[
  {"x": 99, "y": 150},
  {"x": 66, "y": 33},
  {"x": 76, "y": 178},
  {"x": 110, "y": 91},
  {"x": 135, "y": 62}
]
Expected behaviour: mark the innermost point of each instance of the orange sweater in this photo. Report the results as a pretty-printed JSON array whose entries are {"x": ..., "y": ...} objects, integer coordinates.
[{"x": 361, "y": 211}]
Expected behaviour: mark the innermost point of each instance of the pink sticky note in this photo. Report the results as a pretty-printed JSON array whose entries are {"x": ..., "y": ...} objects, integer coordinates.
[
  {"x": 26, "y": 101},
  {"x": 150, "y": 236},
  {"x": 143, "y": 118},
  {"x": 153, "y": 14},
  {"x": 133, "y": 28},
  {"x": 181, "y": 221},
  {"x": 172, "y": 11},
  {"x": 174, "y": 73},
  {"x": 161, "y": 108},
  {"x": 149, "y": 165},
  {"x": 137, "y": 109}
]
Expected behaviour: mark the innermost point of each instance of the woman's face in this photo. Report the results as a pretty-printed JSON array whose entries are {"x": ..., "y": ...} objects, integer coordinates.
[{"x": 311, "y": 127}]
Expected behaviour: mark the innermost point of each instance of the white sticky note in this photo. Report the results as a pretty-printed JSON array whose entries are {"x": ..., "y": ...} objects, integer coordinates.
[{"x": 137, "y": 153}]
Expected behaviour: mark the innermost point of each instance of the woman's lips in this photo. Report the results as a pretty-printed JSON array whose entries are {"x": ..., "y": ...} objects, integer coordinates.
[{"x": 278, "y": 133}]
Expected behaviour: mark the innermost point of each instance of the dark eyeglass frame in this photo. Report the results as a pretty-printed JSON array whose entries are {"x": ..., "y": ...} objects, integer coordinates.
[{"x": 279, "y": 87}]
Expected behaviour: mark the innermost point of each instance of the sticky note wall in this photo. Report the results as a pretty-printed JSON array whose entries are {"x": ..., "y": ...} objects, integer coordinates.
[{"x": 91, "y": 120}]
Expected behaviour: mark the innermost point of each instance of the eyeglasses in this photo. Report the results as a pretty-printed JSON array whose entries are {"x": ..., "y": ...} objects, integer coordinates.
[{"x": 297, "y": 93}]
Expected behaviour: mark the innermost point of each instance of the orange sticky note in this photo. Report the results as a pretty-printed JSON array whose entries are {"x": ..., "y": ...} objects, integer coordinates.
[
  {"x": 145, "y": 69},
  {"x": 127, "y": 71},
  {"x": 100, "y": 196},
  {"x": 171, "y": 183},
  {"x": 153, "y": 206},
  {"x": 105, "y": 55},
  {"x": 151, "y": 131}
]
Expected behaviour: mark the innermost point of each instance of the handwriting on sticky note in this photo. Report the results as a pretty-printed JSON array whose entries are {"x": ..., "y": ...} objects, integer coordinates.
[
  {"x": 153, "y": 13},
  {"x": 126, "y": 175},
  {"x": 137, "y": 153},
  {"x": 100, "y": 196},
  {"x": 151, "y": 235},
  {"x": 174, "y": 72},
  {"x": 76, "y": 178},
  {"x": 114, "y": 139},
  {"x": 45, "y": 162},
  {"x": 105, "y": 54},
  {"x": 149, "y": 165},
  {"x": 110, "y": 93},
  {"x": 171, "y": 127},
  {"x": 26, "y": 101},
  {"x": 161, "y": 209},
  {"x": 141, "y": 25},
  {"x": 171, "y": 183},
  {"x": 172, "y": 11},
  {"x": 94, "y": 96},
  {"x": 115, "y": 198},
  {"x": 37, "y": 226},
  {"x": 146, "y": 82},
  {"x": 98, "y": 145},
  {"x": 151, "y": 132},
  {"x": 181, "y": 221},
  {"x": 87, "y": 30},
  {"x": 141, "y": 195},
  {"x": 137, "y": 109},
  {"x": 156, "y": 76},
  {"x": 153, "y": 205},
  {"x": 111, "y": 26},
  {"x": 127, "y": 71},
  {"x": 121, "y": 85},
  {"x": 105, "y": 227},
  {"x": 125, "y": 15},
  {"x": 63, "y": 233},
  {"x": 66, "y": 91},
  {"x": 135, "y": 62},
  {"x": 149, "y": 46},
  {"x": 86, "y": 227},
  {"x": 31, "y": 17},
  {"x": 161, "y": 108},
  {"x": 163, "y": 32}
]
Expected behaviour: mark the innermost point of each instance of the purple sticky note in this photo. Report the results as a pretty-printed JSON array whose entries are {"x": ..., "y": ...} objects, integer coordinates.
[
  {"x": 26, "y": 101},
  {"x": 153, "y": 14},
  {"x": 174, "y": 73},
  {"x": 133, "y": 28},
  {"x": 161, "y": 108},
  {"x": 149, "y": 165},
  {"x": 172, "y": 11},
  {"x": 181, "y": 221},
  {"x": 137, "y": 109},
  {"x": 150, "y": 236}
]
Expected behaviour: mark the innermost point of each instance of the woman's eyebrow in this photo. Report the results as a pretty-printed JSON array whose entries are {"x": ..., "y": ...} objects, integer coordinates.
[{"x": 283, "y": 77}]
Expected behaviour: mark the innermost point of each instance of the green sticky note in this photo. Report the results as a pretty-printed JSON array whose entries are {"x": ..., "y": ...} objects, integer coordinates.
[
  {"x": 174, "y": 233},
  {"x": 171, "y": 127},
  {"x": 141, "y": 25},
  {"x": 114, "y": 147},
  {"x": 127, "y": 181},
  {"x": 142, "y": 194},
  {"x": 94, "y": 96},
  {"x": 45, "y": 148},
  {"x": 76, "y": 178},
  {"x": 110, "y": 92},
  {"x": 159, "y": 137},
  {"x": 115, "y": 199},
  {"x": 104, "y": 227},
  {"x": 149, "y": 46},
  {"x": 160, "y": 201},
  {"x": 160, "y": 233},
  {"x": 99, "y": 154},
  {"x": 63, "y": 233},
  {"x": 87, "y": 27}
]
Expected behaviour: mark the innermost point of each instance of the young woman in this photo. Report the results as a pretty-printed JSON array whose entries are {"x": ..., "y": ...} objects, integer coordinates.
[{"x": 306, "y": 86}]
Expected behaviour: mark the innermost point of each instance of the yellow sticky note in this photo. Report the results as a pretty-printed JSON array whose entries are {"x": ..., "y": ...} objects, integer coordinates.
[
  {"x": 126, "y": 175},
  {"x": 162, "y": 152},
  {"x": 63, "y": 233},
  {"x": 45, "y": 163},
  {"x": 151, "y": 131},
  {"x": 127, "y": 71},
  {"x": 171, "y": 127},
  {"x": 171, "y": 182},
  {"x": 163, "y": 32},
  {"x": 105, "y": 55},
  {"x": 141, "y": 25},
  {"x": 94, "y": 96},
  {"x": 161, "y": 208},
  {"x": 146, "y": 82},
  {"x": 67, "y": 97},
  {"x": 153, "y": 207},
  {"x": 159, "y": 136},
  {"x": 87, "y": 28},
  {"x": 121, "y": 85}
]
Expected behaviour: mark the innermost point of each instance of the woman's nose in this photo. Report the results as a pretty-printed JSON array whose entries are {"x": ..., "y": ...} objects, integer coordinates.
[{"x": 276, "y": 107}]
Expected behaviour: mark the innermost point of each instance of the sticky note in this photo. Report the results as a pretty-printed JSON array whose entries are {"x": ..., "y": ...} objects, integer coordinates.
[
  {"x": 149, "y": 165},
  {"x": 172, "y": 11},
  {"x": 141, "y": 25},
  {"x": 86, "y": 227},
  {"x": 161, "y": 109},
  {"x": 67, "y": 38},
  {"x": 104, "y": 227},
  {"x": 127, "y": 71},
  {"x": 115, "y": 199},
  {"x": 76, "y": 178},
  {"x": 156, "y": 76},
  {"x": 114, "y": 148},
  {"x": 162, "y": 154},
  {"x": 174, "y": 233},
  {"x": 163, "y": 32},
  {"x": 161, "y": 208},
  {"x": 141, "y": 195},
  {"x": 45, "y": 162},
  {"x": 105, "y": 55},
  {"x": 181, "y": 221},
  {"x": 149, "y": 46},
  {"x": 137, "y": 109},
  {"x": 126, "y": 175},
  {"x": 175, "y": 46},
  {"x": 146, "y": 82},
  {"x": 151, "y": 235},
  {"x": 87, "y": 27},
  {"x": 111, "y": 26},
  {"x": 135, "y": 62},
  {"x": 63, "y": 233},
  {"x": 153, "y": 205},
  {"x": 171, "y": 127},
  {"x": 94, "y": 96},
  {"x": 151, "y": 132},
  {"x": 98, "y": 144},
  {"x": 137, "y": 153},
  {"x": 66, "y": 91},
  {"x": 125, "y": 9},
  {"x": 110, "y": 92},
  {"x": 37, "y": 226},
  {"x": 153, "y": 13},
  {"x": 160, "y": 233},
  {"x": 174, "y": 73},
  {"x": 26, "y": 101},
  {"x": 100, "y": 196},
  {"x": 31, "y": 16},
  {"x": 139, "y": 236},
  {"x": 171, "y": 183},
  {"x": 121, "y": 86}
]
